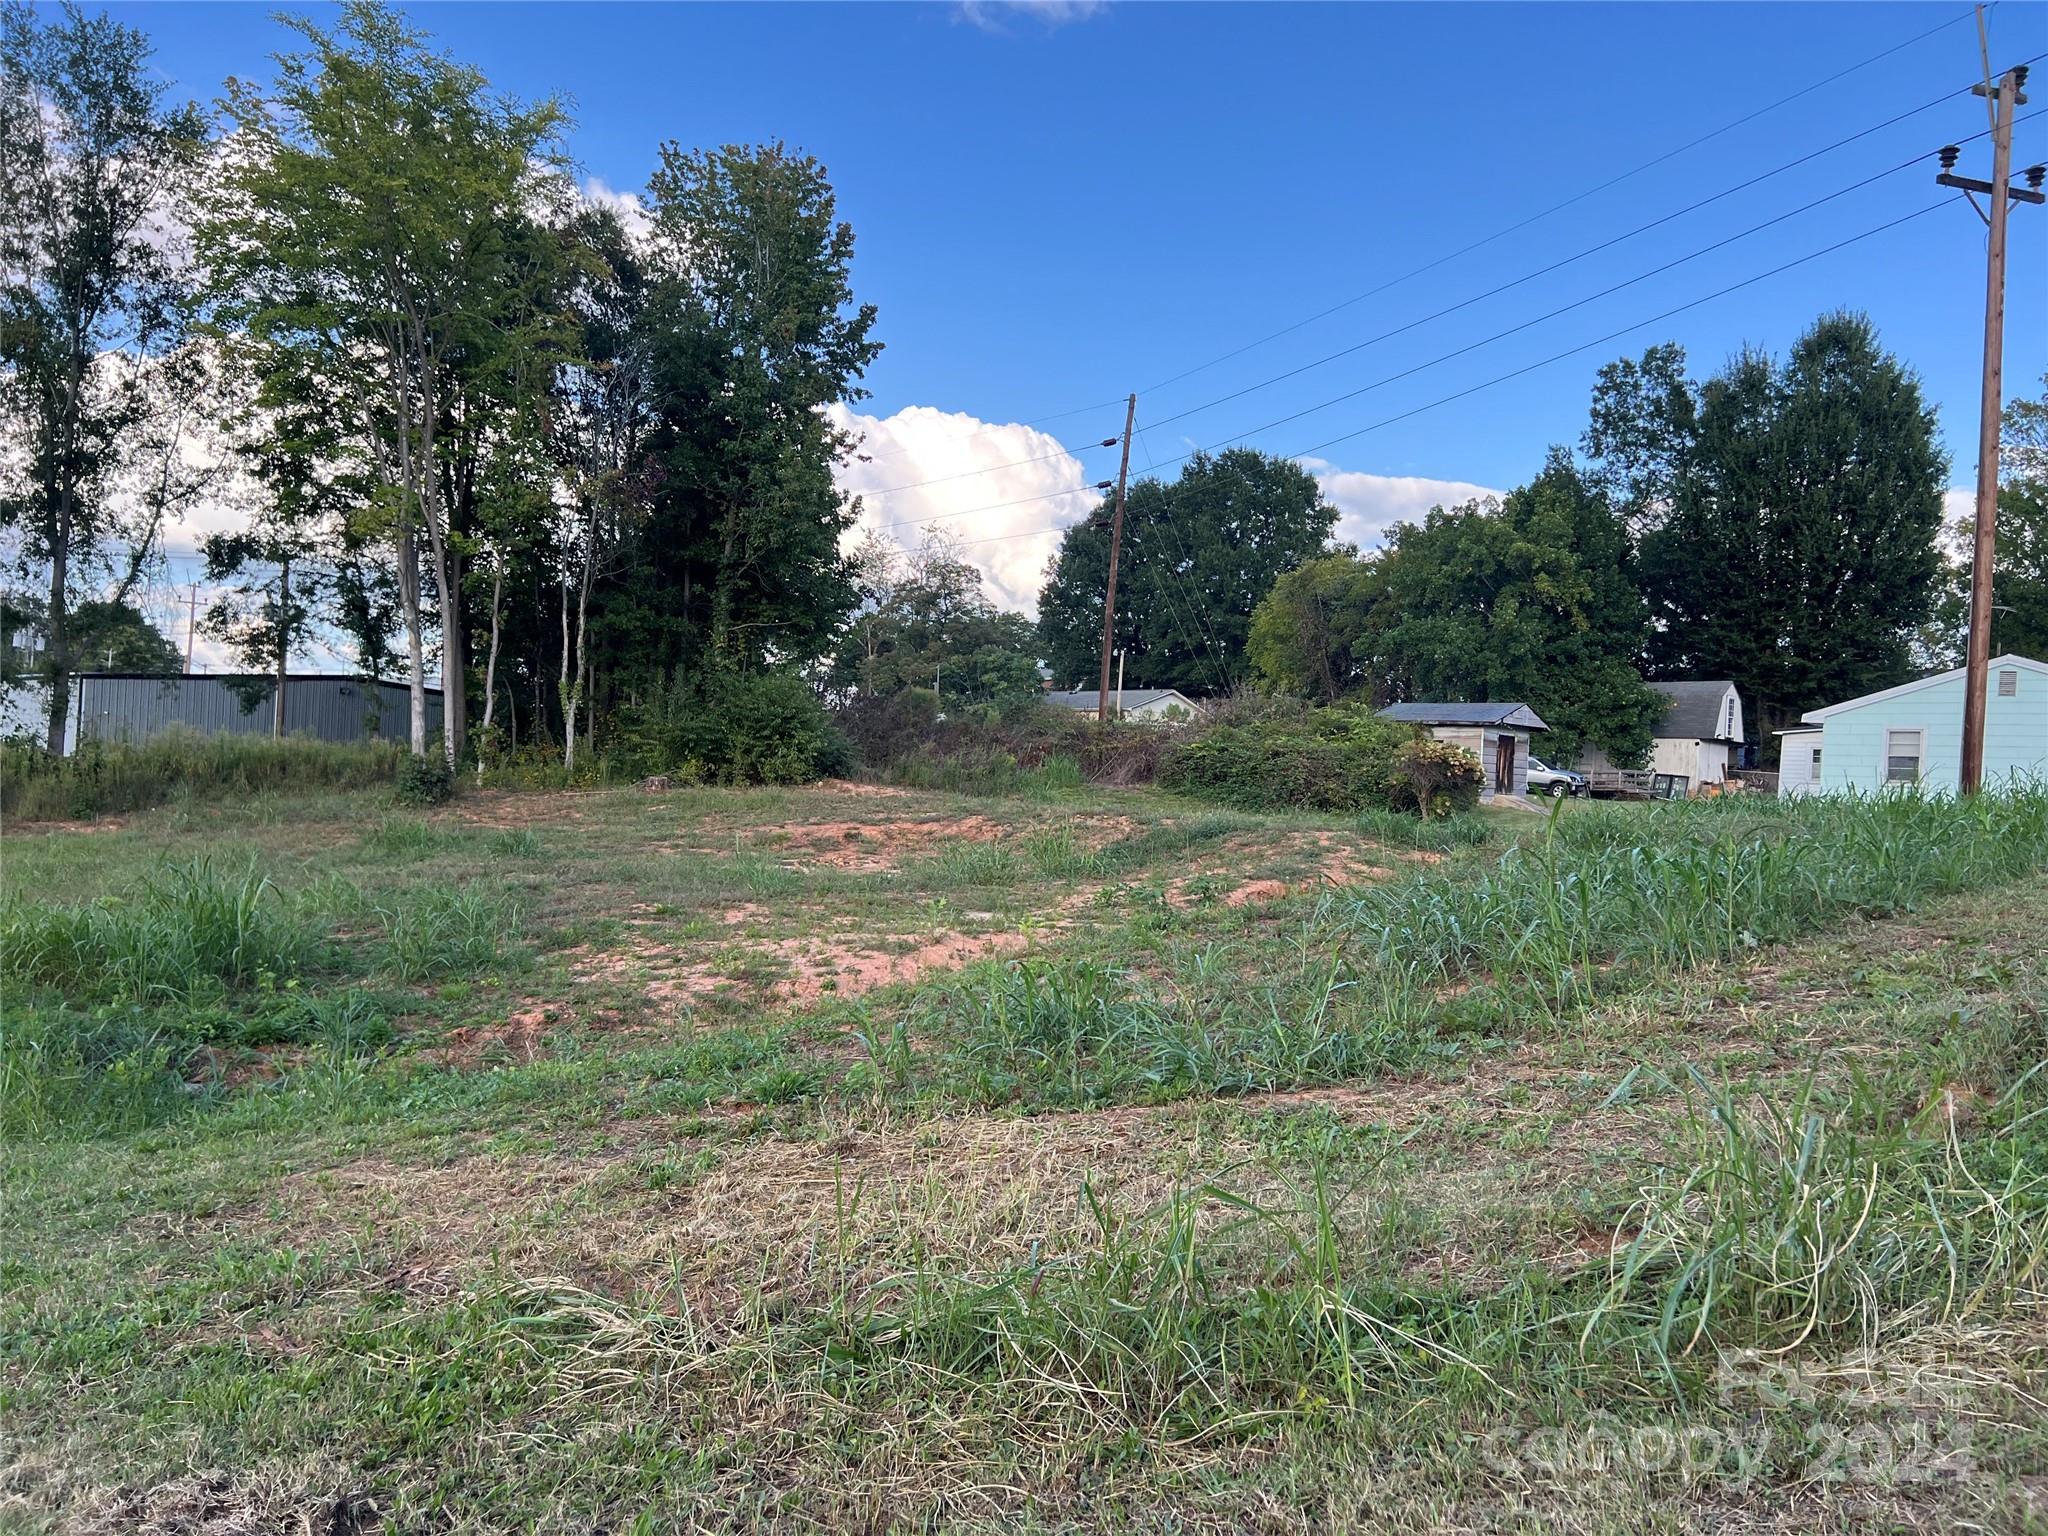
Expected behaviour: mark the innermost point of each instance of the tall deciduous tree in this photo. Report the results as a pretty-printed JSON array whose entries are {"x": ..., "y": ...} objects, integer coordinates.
[
  {"x": 1789, "y": 514},
  {"x": 1317, "y": 632},
  {"x": 362, "y": 226},
  {"x": 1197, "y": 557},
  {"x": 94, "y": 157},
  {"x": 1530, "y": 600}
]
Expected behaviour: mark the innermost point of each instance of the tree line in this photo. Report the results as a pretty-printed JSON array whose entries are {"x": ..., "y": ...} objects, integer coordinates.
[
  {"x": 1777, "y": 523},
  {"x": 473, "y": 421},
  {"x": 578, "y": 458}
]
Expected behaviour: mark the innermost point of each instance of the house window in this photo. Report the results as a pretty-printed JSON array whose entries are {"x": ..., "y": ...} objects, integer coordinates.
[
  {"x": 1902, "y": 757},
  {"x": 2008, "y": 682},
  {"x": 1813, "y": 767}
]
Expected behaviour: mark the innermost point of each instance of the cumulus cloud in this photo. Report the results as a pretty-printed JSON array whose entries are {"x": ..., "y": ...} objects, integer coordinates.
[
  {"x": 995, "y": 15},
  {"x": 1007, "y": 520},
  {"x": 597, "y": 193},
  {"x": 1369, "y": 505}
]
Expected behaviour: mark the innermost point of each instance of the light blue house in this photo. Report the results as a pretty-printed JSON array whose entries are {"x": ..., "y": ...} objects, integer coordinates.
[{"x": 1912, "y": 734}]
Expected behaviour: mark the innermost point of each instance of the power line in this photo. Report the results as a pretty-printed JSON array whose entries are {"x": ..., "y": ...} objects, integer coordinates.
[
  {"x": 1555, "y": 357},
  {"x": 1593, "y": 250},
  {"x": 1486, "y": 240},
  {"x": 1521, "y": 224},
  {"x": 989, "y": 469}
]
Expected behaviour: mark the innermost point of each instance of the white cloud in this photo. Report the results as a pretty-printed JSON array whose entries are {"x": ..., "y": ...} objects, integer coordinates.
[
  {"x": 993, "y": 15},
  {"x": 1007, "y": 520},
  {"x": 1369, "y": 505},
  {"x": 632, "y": 213}
]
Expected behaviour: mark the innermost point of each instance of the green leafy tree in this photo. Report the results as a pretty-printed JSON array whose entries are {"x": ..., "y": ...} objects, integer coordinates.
[
  {"x": 1197, "y": 557},
  {"x": 117, "y": 638},
  {"x": 750, "y": 331},
  {"x": 1529, "y": 600},
  {"x": 926, "y": 622},
  {"x": 90, "y": 300},
  {"x": 364, "y": 228},
  {"x": 1315, "y": 633},
  {"x": 1788, "y": 515}
]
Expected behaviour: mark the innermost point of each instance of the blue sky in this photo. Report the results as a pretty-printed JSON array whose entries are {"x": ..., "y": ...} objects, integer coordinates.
[{"x": 1058, "y": 204}]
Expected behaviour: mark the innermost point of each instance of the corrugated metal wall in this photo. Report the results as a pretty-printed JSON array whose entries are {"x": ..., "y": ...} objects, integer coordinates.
[{"x": 128, "y": 708}]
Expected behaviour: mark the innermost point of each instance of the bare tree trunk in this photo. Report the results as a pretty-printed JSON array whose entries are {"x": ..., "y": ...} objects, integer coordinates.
[
  {"x": 568, "y": 692},
  {"x": 56, "y": 640},
  {"x": 415, "y": 645},
  {"x": 455, "y": 660},
  {"x": 284, "y": 642},
  {"x": 491, "y": 668}
]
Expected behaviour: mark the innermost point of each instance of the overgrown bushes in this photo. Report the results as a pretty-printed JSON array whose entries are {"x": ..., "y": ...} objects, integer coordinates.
[
  {"x": 903, "y": 739},
  {"x": 727, "y": 727},
  {"x": 1341, "y": 759},
  {"x": 104, "y": 779}
]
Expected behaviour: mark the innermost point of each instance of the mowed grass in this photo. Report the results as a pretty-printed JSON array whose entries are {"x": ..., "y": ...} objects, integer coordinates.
[{"x": 1670, "y": 1167}]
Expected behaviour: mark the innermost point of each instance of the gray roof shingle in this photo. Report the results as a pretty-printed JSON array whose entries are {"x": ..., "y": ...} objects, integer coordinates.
[
  {"x": 1519, "y": 715},
  {"x": 1695, "y": 713}
]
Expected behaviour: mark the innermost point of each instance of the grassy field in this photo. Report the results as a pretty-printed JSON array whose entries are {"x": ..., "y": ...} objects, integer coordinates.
[{"x": 861, "y": 1159}]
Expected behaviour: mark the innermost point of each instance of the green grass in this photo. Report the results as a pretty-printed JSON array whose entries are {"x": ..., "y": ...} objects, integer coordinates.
[
  {"x": 108, "y": 779},
  {"x": 1341, "y": 1211}
]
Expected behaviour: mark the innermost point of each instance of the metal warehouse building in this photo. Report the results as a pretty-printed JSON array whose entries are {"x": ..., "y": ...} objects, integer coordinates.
[{"x": 134, "y": 706}]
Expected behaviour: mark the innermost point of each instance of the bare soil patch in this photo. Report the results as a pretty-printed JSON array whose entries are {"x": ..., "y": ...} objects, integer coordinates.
[{"x": 1334, "y": 859}]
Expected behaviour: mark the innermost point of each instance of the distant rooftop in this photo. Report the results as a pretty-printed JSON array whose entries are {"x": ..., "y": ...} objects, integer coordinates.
[
  {"x": 1695, "y": 711},
  {"x": 1519, "y": 716},
  {"x": 1125, "y": 700}
]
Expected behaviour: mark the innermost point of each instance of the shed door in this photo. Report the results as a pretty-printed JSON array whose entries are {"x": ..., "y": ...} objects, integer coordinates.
[{"x": 1504, "y": 765}]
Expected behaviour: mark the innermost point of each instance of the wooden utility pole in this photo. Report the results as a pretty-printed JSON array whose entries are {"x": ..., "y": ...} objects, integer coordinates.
[
  {"x": 1116, "y": 547},
  {"x": 2004, "y": 96},
  {"x": 191, "y": 625}
]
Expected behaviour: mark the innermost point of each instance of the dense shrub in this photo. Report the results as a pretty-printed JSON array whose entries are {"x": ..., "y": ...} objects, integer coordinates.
[
  {"x": 103, "y": 778},
  {"x": 425, "y": 780},
  {"x": 1435, "y": 778},
  {"x": 1343, "y": 759},
  {"x": 727, "y": 727},
  {"x": 902, "y": 738}
]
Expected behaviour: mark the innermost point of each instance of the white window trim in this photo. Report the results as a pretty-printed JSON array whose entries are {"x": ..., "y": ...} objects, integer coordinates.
[
  {"x": 1884, "y": 766},
  {"x": 1813, "y": 766}
]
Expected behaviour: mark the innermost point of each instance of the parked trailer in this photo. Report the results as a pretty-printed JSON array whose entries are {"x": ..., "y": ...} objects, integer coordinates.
[{"x": 1636, "y": 784}]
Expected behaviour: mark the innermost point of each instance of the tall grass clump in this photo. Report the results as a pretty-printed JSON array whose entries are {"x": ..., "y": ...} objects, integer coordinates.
[
  {"x": 1606, "y": 896},
  {"x": 444, "y": 931},
  {"x": 66, "y": 1073},
  {"x": 112, "y": 778},
  {"x": 1078, "y": 1032},
  {"x": 1796, "y": 1222},
  {"x": 189, "y": 931}
]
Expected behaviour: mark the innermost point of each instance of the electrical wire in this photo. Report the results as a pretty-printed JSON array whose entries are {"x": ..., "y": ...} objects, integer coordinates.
[
  {"x": 1608, "y": 244},
  {"x": 1555, "y": 357},
  {"x": 1521, "y": 224},
  {"x": 1486, "y": 240}
]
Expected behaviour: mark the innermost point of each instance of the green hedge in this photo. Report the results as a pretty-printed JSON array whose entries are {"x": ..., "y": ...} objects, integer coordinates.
[{"x": 736, "y": 728}]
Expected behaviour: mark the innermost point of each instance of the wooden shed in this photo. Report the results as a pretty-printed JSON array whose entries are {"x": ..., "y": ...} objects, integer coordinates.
[{"x": 1497, "y": 734}]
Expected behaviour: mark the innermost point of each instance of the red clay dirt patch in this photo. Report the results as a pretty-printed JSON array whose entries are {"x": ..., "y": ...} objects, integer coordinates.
[
  {"x": 1338, "y": 861},
  {"x": 810, "y": 968},
  {"x": 870, "y": 846},
  {"x": 514, "y": 808}
]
